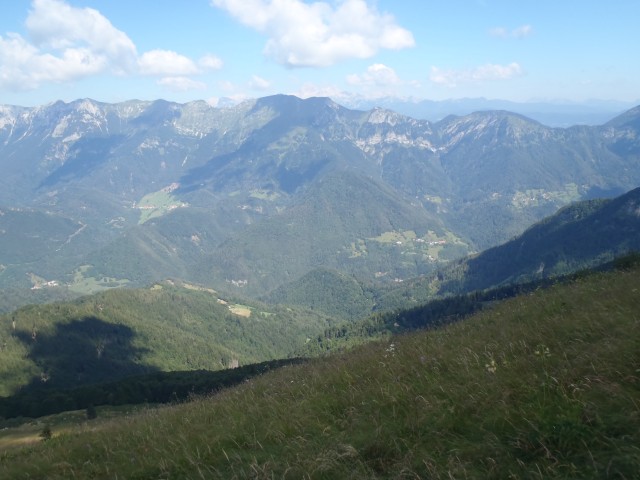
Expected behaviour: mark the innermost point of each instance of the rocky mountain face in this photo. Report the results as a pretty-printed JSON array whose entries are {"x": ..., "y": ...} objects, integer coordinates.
[{"x": 258, "y": 194}]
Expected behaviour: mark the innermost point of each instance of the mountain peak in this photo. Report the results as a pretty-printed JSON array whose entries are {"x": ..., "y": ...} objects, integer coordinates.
[
  {"x": 292, "y": 110},
  {"x": 292, "y": 102},
  {"x": 382, "y": 115},
  {"x": 495, "y": 125}
]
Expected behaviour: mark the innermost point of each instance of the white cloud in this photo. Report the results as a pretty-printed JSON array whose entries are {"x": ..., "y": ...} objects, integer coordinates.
[
  {"x": 166, "y": 62},
  {"x": 488, "y": 72},
  {"x": 518, "y": 32},
  {"x": 233, "y": 92},
  {"x": 376, "y": 74},
  {"x": 67, "y": 43},
  {"x": 309, "y": 90},
  {"x": 227, "y": 86},
  {"x": 228, "y": 100},
  {"x": 259, "y": 83},
  {"x": 318, "y": 34},
  {"x": 53, "y": 24},
  {"x": 210, "y": 62},
  {"x": 522, "y": 31},
  {"x": 23, "y": 67},
  {"x": 181, "y": 84}
]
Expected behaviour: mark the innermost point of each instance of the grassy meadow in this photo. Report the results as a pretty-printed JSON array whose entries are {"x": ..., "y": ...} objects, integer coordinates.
[{"x": 541, "y": 386}]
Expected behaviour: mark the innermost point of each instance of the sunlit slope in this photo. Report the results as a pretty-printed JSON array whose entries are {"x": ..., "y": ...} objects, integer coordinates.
[{"x": 540, "y": 386}]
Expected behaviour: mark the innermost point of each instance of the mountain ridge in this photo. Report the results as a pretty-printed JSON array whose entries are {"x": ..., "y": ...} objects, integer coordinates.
[{"x": 481, "y": 178}]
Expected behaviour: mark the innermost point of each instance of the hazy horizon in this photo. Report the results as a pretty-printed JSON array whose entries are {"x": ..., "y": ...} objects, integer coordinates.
[{"x": 112, "y": 51}]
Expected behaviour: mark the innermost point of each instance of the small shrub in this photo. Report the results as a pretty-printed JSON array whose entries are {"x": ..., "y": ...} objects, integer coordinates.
[
  {"x": 91, "y": 412},
  {"x": 46, "y": 433}
]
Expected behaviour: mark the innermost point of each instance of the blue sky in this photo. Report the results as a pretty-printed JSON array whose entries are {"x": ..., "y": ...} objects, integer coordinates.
[{"x": 182, "y": 50}]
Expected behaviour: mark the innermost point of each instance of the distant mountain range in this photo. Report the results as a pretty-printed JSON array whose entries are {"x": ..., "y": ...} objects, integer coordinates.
[
  {"x": 554, "y": 114},
  {"x": 252, "y": 197}
]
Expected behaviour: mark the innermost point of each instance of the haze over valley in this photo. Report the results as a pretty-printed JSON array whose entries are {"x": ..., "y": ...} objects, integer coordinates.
[{"x": 251, "y": 197}]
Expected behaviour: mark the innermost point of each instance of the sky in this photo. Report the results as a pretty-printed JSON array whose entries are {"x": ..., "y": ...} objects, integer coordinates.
[{"x": 184, "y": 50}]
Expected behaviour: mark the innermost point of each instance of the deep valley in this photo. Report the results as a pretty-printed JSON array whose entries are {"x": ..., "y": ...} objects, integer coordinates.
[{"x": 290, "y": 288}]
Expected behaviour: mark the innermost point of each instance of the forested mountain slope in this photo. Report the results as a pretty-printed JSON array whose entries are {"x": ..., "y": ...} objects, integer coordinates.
[
  {"x": 130, "y": 193},
  {"x": 580, "y": 236},
  {"x": 125, "y": 332}
]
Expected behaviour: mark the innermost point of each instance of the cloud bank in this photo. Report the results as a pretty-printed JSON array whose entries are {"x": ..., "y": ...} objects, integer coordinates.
[
  {"x": 376, "y": 74},
  {"x": 318, "y": 34},
  {"x": 488, "y": 72},
  {"x": 67, "y": 43}
]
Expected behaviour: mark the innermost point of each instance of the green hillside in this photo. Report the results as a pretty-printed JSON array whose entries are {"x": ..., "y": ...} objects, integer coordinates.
[
  {"x": 328, "y": 291},
  {"x": 125, "y": 332},
  {"x": 33, "y": 241},
  {"x": 544, "y": 385},
  {"x": 580, "y": 236},
  {"x": 346, "y": 222}
]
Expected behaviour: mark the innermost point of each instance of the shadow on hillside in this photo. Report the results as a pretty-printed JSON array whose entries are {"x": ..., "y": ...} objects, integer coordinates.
[{"x": 83, "y": 351}]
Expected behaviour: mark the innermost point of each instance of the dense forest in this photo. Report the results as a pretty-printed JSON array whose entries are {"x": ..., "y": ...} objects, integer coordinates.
[{"x": 125, "y": 332}]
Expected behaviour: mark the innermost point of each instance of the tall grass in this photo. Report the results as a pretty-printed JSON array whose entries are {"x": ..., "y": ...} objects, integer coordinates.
[{"x": 541, "y": 386}]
